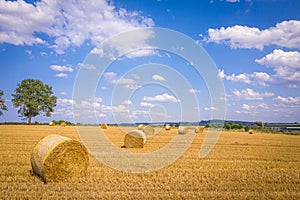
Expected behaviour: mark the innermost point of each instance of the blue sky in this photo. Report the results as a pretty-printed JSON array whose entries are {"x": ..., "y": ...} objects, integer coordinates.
[{"x": 253, "y": 43}]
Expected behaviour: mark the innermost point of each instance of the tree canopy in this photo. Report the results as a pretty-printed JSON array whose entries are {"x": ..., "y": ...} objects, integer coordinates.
[
  {"x": 32, "y": 97},
  {"x": 2, "y": 103}
]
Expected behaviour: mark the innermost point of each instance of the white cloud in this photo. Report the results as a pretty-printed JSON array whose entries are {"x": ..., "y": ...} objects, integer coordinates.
[
  {"x": 132, "y": 44},
  {"x": 246, "y": 107},
  {"x": 116, "y": 109},
  {"x": 250, "y": 94},
  {"x": 97, "y": 51},
  {"x": 221, "y": 74},
  {"x": 101, "y": 115},
  {"x": 233, "y": 1},
  {"x": 292, "y": 86},
  {"x": 28, "y": 52},
  {"x": 259, "y": 78},
  {"x": 146, "y": 104},
  {"x": 141, "y": 53},
  {"x": 86, "y": 66},
  {"x": 157, "y": 77},
  {"x": 43, "y": 53},
  {"x": 288, "y": 100},
  {"x": 234, "y": 78},
  {"x": 97, "y": 99},
  {"x": 62, "y": 75},
  {"x": 253, "y": 109},
  {"x": 127, "y": 102},
  {"x": 61, "y": 68},
  {"x": 210, "y": 108},
  {"x": 63, "y": 93},
  {"x": 126, "y": 83},
  {"x": 109, "y": 75},
  {"x": 64, "y": 107},
  {"x": 112, "y": 78},
  {"x": 285, "y": 64},
  {"x": 193, "y": 91},
  {"x": 284, "y": 34},
  {"x": 65, "y": 102},
  {"x": 166, "y": 98},
  {"x": 238, "y": 78},
  {"x": 66, "y": 23}
]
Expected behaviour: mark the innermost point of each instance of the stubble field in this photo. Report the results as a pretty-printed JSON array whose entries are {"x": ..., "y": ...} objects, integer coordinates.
[{"x": 241, "y": 166}]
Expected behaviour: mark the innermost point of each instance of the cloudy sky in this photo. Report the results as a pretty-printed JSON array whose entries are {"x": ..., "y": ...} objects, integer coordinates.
[{"x": 254, "y": 45}]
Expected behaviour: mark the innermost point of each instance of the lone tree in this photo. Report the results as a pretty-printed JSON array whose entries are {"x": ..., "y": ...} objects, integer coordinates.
[
  {"x": 33, "y": 97},
  {"x": 2, "y": 103}
]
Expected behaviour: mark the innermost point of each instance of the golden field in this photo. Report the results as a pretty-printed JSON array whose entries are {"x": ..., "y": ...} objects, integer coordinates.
[{"x": 241, "y": 166}]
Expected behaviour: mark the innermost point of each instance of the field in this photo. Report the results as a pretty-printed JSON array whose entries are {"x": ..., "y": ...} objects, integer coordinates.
[{"x": 241, "y": 166}]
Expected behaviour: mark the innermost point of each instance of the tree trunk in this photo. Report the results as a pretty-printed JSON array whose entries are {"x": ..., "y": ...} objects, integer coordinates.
[{"x": 29, "y": 119}]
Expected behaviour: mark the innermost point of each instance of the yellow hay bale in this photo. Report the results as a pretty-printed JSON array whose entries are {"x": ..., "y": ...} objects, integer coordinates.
[
  {"x": 250, "y": 131},
  {"x": 103, "y": 126},
  {"x": 135, "y": 139},
  {"x": 183, "y": 130},
  {"x": 141, "y": 127},
  {"x": 199, "y": 129},
  {"x": 57, "y": 158},
  {"x": 63, "y": 124},
  {"x": 167, "y": 127},
  {"x": 148, "y": 130},
  {"x": 51, "y": 123}
]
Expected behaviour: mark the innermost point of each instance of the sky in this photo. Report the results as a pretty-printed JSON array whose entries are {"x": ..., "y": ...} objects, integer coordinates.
[{"x": 253, "y": 47}]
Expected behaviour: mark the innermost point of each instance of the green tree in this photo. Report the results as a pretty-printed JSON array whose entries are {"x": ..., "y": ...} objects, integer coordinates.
[
  {"x": 32, "y": 97},
  {"x": 247, "y": 127},
  {"x": 259, "y": 124},
  {"x": 2, "y": 103},
  {"x": 228, "y": 125}
]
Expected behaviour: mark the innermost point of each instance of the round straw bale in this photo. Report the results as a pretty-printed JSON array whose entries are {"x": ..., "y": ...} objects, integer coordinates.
[
  {"x": 148, "y": 130},
  {"x": 51, "y": 123},
  {"x": 183, "y": 130},
  {"x": 63, "y": 124},
  {"x": 135, "y": 139},
  {"x": 250, "y": 131},
  {"x": 199, "y": 129},
  {"x": 167, "y": 127},
  {"x": 141, "y": 127},
  {"x": 103, "y": 126},
  {"x": 57, "y": 158}
]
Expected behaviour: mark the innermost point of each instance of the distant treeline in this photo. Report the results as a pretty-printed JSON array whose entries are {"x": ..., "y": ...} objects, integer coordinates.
[{"x": 56, "y": 122}]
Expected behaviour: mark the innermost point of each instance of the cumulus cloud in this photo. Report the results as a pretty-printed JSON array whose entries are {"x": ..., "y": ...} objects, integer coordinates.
[
  {"x": 246, "y": 106},
  {"x": 127, "y": 102},
  {"x": 157, "y": 77},
  {"x": 114, "y": 79},
  {"x": 210, "y": 108},
  {"x": 147, "y": 104},
  {"x": 62, "y": 75},
  {"x": 66, "y": 23},
  {"x": 253, "y": 109},
  {"x": 260, "y": 78},
  {"x": 61, "y": 68},
  {"x": 193, "y": 91},
  {"x": 250, "y": 94},
  {"x": 238, "y": 78},
  {"x": 234, "y": 78},
  {"x": 232, "y": 1},
  {"x": 165, "y": 98},
  {"x": 288, "y": 100},
  {"x": 64, "y": 107},
  {"x": 284, "y": 34},
  {"x": 126, "y": 83},
  {"x": 286, "y": 64},
  {"x": 86, "y": 66}
]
